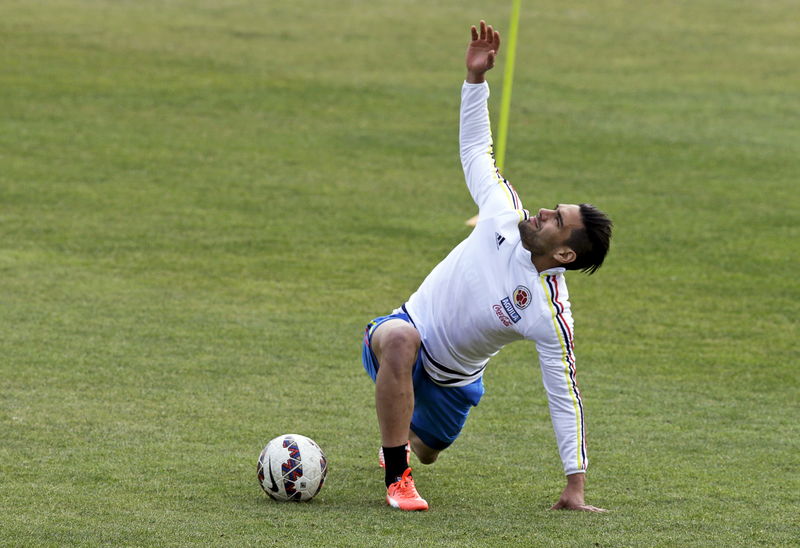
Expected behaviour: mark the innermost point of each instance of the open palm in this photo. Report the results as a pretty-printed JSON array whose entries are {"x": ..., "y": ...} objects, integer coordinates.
[{"x": 482, "y": 49}]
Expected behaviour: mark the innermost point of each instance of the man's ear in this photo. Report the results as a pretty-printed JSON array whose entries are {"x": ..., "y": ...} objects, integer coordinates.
[{"x": 564, "y": 255}]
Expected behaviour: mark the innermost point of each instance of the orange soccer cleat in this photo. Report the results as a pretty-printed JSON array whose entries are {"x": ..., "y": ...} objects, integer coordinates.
[{"x": 403, "y": 494}]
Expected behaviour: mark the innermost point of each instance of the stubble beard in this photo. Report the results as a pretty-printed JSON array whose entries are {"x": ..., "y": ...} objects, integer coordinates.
[{"x": 529, "y": 238}]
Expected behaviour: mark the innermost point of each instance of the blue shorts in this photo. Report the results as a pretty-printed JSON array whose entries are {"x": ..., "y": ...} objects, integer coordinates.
[{"x": 439, "y": 412}]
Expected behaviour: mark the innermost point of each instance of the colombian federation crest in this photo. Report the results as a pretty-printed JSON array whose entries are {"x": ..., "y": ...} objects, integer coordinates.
[{"x": 522, "y": 297}]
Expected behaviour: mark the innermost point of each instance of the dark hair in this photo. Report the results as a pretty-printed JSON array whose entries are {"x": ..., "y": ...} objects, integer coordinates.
[{"x": 591, "y": 242}]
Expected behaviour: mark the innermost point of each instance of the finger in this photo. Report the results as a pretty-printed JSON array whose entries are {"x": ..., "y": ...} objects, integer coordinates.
[
  {"x": 580, "y": 507},
  {"x": 474, "y": 33},
  {"x": 489, "y": 33},
  {"x": 590, "y": 509},
  {"x": 490, "y": 59},
  {"x": 496, "y": 41},
  {"x": 483, "y": 29}
]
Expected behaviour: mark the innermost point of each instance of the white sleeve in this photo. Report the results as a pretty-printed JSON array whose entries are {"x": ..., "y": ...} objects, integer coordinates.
[
  {"x": 491, "y": 192},
  {"x": 557, "y": 362}
]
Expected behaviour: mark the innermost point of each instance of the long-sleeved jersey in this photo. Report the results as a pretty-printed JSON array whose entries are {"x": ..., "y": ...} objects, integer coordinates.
[{"x": 487, "y": 293}]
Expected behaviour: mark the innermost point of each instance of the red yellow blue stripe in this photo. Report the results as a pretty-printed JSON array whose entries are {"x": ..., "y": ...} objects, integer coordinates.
[
  {"x": 550, "y": 284},
  {"x": 511, "y": 194}
]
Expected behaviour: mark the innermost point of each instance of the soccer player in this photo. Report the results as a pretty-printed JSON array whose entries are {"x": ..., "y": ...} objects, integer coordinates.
[{"x": 504, "y": 283}]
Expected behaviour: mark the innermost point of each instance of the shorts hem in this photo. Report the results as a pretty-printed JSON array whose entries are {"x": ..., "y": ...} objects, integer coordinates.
[{"x": 429, "y": 439}]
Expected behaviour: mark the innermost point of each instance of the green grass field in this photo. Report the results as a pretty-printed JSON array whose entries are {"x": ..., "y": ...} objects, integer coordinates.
[{"x": 202, "y": 203}]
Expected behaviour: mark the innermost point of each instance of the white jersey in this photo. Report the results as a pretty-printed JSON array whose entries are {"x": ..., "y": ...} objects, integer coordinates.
[{"x": 487, "y": 293}]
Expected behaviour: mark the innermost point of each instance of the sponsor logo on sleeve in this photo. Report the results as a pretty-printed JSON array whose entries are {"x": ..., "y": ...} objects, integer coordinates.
[
  {"x": 510, "y": 310},
  {"x": 499, "y": 239},
  {"x": 498, "y": 310},
  {"x": 522, "y": 297}
]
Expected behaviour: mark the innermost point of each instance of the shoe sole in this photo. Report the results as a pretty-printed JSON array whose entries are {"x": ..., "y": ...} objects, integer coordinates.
[{"x": 394, "y": 504}]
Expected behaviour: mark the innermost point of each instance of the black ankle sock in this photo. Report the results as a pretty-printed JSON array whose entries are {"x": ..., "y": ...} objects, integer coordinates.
[{"x": 396, "y": 462}]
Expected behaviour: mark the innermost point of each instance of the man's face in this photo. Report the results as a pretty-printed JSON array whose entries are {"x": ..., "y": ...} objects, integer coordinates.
[{"x": 547, "y": 231}]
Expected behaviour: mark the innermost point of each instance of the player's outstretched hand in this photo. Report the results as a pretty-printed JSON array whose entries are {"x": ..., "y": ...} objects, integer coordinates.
[{"x": 482, "y": 51}]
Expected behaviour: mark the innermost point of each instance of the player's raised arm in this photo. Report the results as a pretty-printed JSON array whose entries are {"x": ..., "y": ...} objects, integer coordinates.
[
  {"x": 481, "y": 52},
  {"x": 490, "y": 191}
]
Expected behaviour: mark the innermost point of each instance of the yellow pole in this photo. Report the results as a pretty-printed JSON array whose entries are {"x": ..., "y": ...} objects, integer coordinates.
[{"x": 508, "y": 79}]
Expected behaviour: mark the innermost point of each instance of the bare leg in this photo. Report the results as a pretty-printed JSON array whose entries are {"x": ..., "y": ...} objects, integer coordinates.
[
  {"x": 395, "y": 344},
  {"x": 425, "y": 454}
]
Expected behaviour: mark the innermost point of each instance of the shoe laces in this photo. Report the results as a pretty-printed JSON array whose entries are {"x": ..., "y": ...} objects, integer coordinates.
[{"x": 406, "y": 481}]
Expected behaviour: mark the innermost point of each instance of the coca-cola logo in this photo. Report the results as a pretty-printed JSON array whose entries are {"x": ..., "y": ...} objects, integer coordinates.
[{"x": 501, "y": 315}]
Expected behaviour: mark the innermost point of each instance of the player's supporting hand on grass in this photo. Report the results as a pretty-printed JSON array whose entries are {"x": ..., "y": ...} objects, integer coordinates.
[{"x": 572, "y": 497}]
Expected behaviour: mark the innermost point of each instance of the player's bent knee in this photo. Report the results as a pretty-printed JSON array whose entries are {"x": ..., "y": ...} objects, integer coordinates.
[
  {"x": 396, "y": 340},
  {"x": 425, "y": 454},
  {"x": 405, "y": 337}
]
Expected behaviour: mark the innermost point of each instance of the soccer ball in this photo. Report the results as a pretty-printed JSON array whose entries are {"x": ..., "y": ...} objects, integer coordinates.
[{"x": 292, "y": 467}]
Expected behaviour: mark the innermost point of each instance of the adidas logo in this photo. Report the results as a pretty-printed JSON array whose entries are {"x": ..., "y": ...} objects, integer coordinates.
[{"x": 499, "y": 239}]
